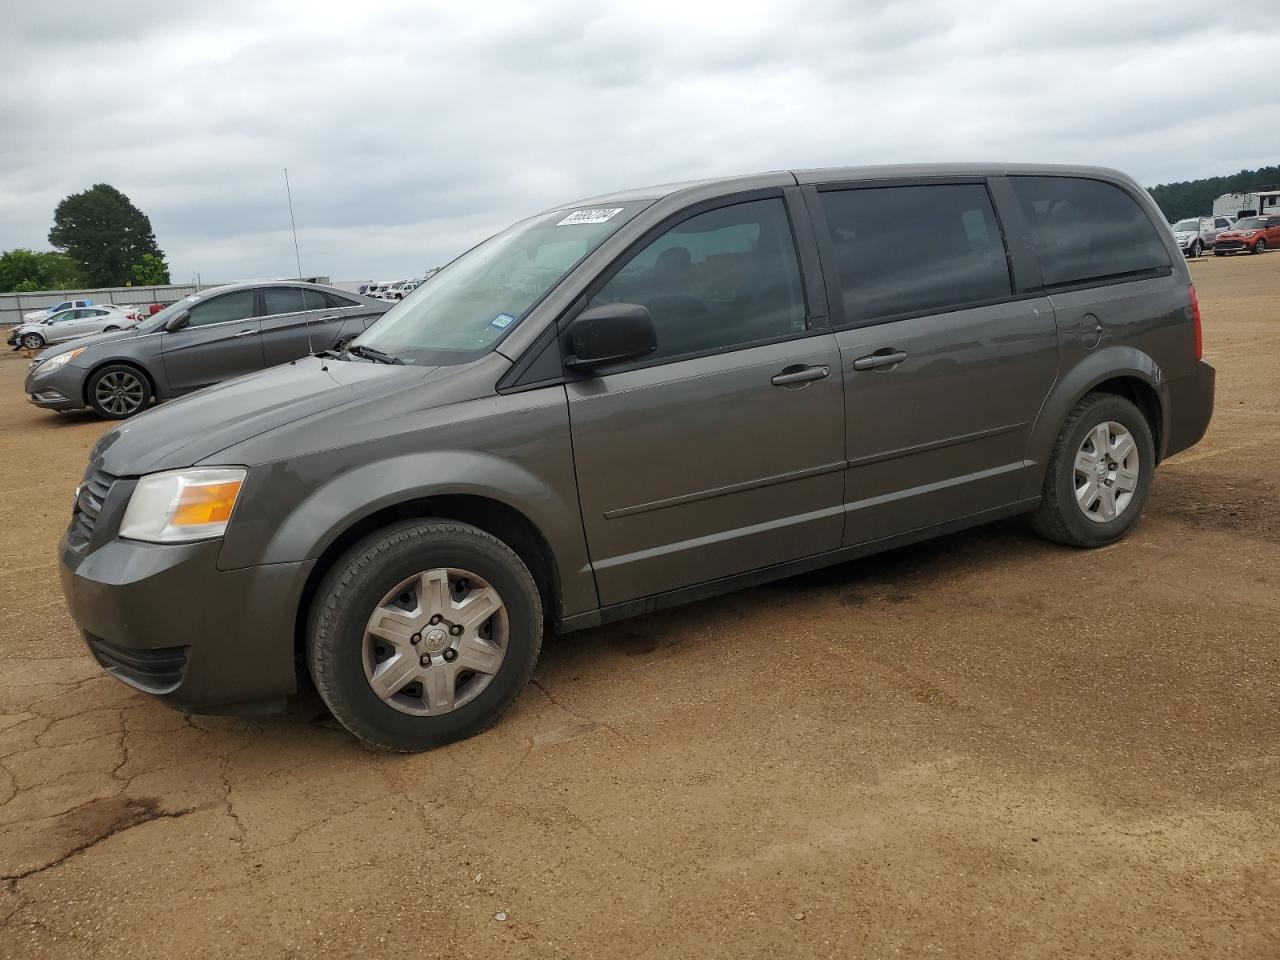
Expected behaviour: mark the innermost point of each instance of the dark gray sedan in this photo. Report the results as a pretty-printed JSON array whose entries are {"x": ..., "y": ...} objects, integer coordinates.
[{"x": 206, "y": 338}]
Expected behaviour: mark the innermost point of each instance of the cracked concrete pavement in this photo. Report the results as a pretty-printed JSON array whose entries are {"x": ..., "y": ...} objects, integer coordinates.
[{"x": 984, "y": 746}]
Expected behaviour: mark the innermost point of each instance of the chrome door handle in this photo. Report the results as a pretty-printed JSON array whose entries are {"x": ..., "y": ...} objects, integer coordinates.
[
  {"x": 801, "y": 375},
  {"x": 246, "y": 333},
  {"x": 881, "y": 358}
]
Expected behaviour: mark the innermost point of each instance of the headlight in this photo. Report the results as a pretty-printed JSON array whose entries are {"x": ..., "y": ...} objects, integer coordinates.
[
  {"x": 181, "y": 505},
  {"x": 61, "y": 360}
]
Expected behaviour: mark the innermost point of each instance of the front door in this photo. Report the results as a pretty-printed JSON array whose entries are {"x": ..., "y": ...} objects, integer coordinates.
[
  {"x": 723, "y": 451},
  {"x": 220, "y": 341},
  {"x": 945, "y": 369}
]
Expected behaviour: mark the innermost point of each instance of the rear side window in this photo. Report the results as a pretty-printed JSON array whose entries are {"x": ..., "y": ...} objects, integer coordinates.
[
  {"x": 314, "y": 300},
  {"x": 277, "y": 300},
  {"x": 915, "y": 249},
  {"x": 1087, "y": 230},
  {"x": 339, "y": 302}
]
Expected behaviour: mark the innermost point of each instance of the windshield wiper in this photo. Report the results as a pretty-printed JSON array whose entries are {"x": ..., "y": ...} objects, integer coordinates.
[{"x": 377, "y": 356}]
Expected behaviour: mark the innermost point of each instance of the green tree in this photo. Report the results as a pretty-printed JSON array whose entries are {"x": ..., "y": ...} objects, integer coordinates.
[
  {"x": 151, "y": 271},
  {"x": 104, "y": 233},
  {"x": 23, "y": 270}
]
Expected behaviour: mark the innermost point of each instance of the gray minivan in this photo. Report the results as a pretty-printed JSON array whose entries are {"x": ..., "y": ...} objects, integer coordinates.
[{"x": 631, "y": 402}]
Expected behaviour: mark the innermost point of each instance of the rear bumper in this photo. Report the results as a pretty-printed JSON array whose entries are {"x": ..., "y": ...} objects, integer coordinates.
[
  {"x": 1189, "y": 408},
  {"x": 165, "y": 620}
]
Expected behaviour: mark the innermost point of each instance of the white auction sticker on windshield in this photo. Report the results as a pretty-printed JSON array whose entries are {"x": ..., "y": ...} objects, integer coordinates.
[{"x": 593, "y": 215}]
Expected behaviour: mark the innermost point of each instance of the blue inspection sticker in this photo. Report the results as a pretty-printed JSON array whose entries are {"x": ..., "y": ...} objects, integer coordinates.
[{"x": 502, "y": 321}]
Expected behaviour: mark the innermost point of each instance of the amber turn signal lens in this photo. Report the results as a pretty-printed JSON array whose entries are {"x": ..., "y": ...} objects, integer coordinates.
[{"x": 200, "y": 504}]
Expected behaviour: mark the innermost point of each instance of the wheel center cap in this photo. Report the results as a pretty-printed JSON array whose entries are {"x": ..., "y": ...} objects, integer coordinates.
[{"x": 435, "y": 640}]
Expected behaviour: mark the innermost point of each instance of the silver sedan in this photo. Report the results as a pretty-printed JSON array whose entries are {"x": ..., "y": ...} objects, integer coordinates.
[{"x": 70, "y": 325}]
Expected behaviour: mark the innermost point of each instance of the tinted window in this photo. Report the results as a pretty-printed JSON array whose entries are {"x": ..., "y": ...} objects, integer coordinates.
[
  {"x": 339, "y": 302},
  {"x": 230, "y": 306},
  {"x": 1222, "y": 222},
  {"x": 717, "y": 281},
  {"x": 314, "y": 300},
  {"x": 915, "y": 249},
  {"x": 1087, "y": 229},
  {"x": 281, "y": 300}
]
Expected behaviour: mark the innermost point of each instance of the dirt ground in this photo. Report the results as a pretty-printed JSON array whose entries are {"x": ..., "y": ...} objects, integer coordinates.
[{"x": 985, "y": 746}]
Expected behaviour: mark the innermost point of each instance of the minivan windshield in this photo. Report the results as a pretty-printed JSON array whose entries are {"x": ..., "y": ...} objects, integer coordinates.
[
  {"x": 478, "y": 298},
  {"x": 1186, "y": 226}
]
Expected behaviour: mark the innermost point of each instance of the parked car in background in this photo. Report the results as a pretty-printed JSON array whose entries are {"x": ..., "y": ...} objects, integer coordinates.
[
  {"x": 56, "y": 308},
  {"x": 70, "y": 325},
  {"x": 398, "y": 291},
  {"x": 378, "y": 290},
  {"x": 1195, "y": 235},
  {"x": 206, "y": 338},
  {"x": 1249, "y": 234},
  {"x": 636, "y": 401}
]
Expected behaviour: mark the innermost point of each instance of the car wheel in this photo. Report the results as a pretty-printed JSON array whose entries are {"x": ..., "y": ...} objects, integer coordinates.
[
  {"x": 423, "y": 633},
  {"x": 1099, "y": 473},
  {"x": 33, "y": 341},
  {"x": 1260, "y": 246},
  {"x": 110, "y": 329},
  {"x": 1196, "y": 248},
  {"x": 118, "y": 391}
]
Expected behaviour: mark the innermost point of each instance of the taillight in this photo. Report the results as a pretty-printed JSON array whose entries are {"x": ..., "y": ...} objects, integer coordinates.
[{"x": 1195, "y": 320}]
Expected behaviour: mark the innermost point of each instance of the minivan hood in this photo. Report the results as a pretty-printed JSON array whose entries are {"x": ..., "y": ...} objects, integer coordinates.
[{"x": 184, "y": 431}]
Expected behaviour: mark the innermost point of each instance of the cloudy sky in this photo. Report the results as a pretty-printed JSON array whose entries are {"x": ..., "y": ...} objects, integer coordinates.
[{"x": 412, "y": 130}]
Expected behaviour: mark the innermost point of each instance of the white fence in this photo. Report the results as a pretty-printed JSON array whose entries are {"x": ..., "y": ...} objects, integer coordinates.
[{"x": 14, "y": 305}]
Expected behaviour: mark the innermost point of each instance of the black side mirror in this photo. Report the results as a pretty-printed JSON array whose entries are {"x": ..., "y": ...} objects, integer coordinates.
[
  {"x": 611, "y": 333},
  {"x": 178, "y": 322}
]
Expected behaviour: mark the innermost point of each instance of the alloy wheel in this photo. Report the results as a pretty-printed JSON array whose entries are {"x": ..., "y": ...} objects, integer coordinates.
[
  {"x": 1106, "y": 472},
  {"x": 120, "y": 393},
  {"x": 32, "y": 341},
  {"x": 435, "y": 641}
]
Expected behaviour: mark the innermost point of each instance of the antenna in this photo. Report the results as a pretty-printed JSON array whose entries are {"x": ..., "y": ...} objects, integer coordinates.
[{"x": 296, "y": 255}]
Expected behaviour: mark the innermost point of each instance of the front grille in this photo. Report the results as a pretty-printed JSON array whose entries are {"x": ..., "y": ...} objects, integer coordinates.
[
  {"x": 89, "y": 501},
  {"x": 1229, "y": 244},
  {"x": 158, "y": 670}
]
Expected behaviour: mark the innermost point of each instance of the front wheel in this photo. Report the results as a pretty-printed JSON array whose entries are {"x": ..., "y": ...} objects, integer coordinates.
[
  {"x": 1099, "y": 473},
  {"x": 1260, "y": 246},
  {"x": 118, "y": 391},
  {"x": 1196, "y": 249},
  {"x": 33, "y": 341},
  {"x": 424, "y": 633}
]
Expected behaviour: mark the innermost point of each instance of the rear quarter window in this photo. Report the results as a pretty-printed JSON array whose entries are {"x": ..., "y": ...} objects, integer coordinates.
[{"x": 1087, "y": 229}]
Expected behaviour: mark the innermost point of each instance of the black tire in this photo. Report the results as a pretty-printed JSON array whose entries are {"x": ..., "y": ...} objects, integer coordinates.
[
  {"x": 1260, "y": 246},
  {"x": 134, "y": 396},
  {"x": 32, "y": 341},
  {"x": 1196, "y": 249},
  {"x": 357, "y": 583},
  {"x": 1059, "y": 517},
  {"x": 110, "y": 329}
]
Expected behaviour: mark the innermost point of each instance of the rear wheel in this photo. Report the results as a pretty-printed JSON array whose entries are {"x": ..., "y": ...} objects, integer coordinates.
[
  {"x": 118, "y": 391},
  {"x": 33, "y": 341},
  {"x": 1099, "y": 473},
  {"x": 424, "y": 633}
]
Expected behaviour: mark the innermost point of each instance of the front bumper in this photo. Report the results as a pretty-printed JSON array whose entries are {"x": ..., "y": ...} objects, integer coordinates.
[
  {"x": 1229, "y": 246},
  {"x": 164, "y": 619},
  {"x": 61, "y": 389},
  {"x": 1188, "y": 408}
]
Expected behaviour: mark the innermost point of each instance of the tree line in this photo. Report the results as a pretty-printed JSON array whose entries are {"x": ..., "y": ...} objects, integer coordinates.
[
  {"x": 1194, "y": 198},
  {"x": 99, "y": 239}
]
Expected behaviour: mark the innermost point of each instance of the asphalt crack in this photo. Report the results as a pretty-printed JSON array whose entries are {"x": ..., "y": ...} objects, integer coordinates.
[{"x": 135, "y": 814}]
